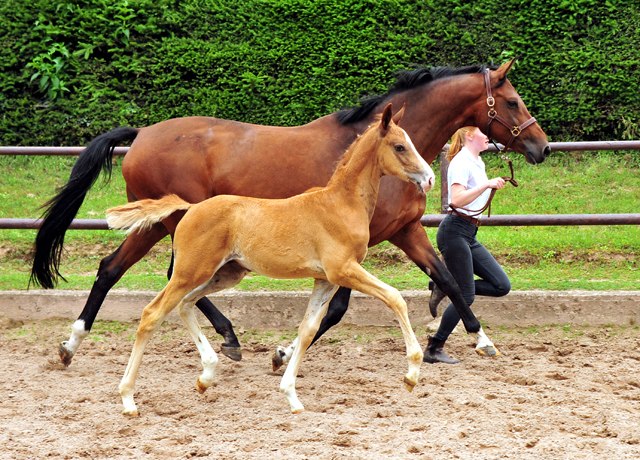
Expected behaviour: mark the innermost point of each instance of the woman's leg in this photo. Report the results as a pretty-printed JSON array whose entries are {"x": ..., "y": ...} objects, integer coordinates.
[
  {"x": 493, "y": 281},
  {"x": 454, "y": 238}
]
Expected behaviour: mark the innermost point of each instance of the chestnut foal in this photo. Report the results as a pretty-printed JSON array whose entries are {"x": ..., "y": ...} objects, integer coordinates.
[{"x": 322, "y": 234}]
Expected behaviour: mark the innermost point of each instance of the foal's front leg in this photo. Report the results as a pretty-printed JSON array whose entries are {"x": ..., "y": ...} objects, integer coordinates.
[
  {"x": 320, "y": 297},
  {"x": 356, "y": 277},
  {"x": 335, "y": 312}
]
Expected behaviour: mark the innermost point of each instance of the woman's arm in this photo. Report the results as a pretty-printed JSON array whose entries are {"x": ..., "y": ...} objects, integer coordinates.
[{"x": 461, "y": 196}]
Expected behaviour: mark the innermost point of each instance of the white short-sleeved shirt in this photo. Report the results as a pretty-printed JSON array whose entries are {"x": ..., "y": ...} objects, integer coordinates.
[{"x": 466, "y": 170}]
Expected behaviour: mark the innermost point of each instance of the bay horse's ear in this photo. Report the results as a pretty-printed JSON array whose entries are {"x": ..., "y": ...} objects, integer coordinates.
[
  {"x": 385, "y": 120},
  {"x": 398, "y": 116},
  {"x": 503, "y": 70}
]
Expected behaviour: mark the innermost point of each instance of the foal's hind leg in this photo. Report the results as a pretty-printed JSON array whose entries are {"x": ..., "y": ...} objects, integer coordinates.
[
  {"x": 222, "y": 325},
  {"x": 152, "y": 317},
  {"x": 227, "y": 276},
  {"x": 320, "y": 297},
  {"x": 111, "y": 270}
]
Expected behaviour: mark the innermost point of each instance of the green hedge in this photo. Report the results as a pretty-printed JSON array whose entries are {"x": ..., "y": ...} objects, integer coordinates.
[{"x": 285, "y": 62}]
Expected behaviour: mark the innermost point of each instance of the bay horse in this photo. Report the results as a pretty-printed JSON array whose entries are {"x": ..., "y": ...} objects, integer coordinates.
[
  {"x": 321, "y": 234},
  {"x": 199, "y": 157}
]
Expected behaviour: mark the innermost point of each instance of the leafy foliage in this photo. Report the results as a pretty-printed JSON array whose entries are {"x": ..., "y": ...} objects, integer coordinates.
[{"x": 286, "y": 62}]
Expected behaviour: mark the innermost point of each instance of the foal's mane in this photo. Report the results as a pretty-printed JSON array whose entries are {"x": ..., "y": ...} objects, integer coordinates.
[
  {"x": 406, "y": 80},
  {"x": 346, "y": 156}
]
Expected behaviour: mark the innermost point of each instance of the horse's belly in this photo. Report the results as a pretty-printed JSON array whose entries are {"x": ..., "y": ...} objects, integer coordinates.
[{"x": 283, "y": 267}]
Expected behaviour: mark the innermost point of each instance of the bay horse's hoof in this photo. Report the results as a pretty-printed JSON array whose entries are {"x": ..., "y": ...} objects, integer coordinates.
[
  {"x": 65, "y": 354},
  {"x": 488, "y": 350},
  {"x": 409, "y": 385},
  {"x": 276, "y": 359},
  {"x": 234, "y": 353}
]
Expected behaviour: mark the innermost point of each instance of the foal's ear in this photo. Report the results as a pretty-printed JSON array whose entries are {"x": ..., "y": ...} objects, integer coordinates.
[
  {"x": 398, "y": 116},
  {"x": 386, "y": 119}
]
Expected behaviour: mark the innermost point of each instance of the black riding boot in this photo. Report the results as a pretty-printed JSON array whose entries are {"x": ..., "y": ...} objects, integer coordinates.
[{"x": 434, "y": 353}]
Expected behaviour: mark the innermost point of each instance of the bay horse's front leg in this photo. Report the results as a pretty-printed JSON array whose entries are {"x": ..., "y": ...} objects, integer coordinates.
[
  {"x": 337, "y": 308},
  {"x": 322, "y": 293},
  {"x": 356, "y": 277},
  {"x": 111, "y": 269},
  {"x": 413, "y": 240}
]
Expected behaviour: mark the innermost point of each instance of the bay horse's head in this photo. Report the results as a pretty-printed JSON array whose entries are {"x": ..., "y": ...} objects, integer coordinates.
[
  {"x": 397, "y": 154},
  {"x": 504, "y": 117}
]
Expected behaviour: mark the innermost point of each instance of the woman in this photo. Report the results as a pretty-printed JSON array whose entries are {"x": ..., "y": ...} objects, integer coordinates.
[{"x": 469, "y": 190}]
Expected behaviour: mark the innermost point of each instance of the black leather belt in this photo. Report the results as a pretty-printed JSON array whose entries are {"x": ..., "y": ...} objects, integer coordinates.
[{"x": 473, "y": 220}]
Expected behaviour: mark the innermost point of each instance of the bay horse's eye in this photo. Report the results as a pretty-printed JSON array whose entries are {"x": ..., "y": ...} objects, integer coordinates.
[
  {"x": 400, "y": 148},
  {"x": 512, "y": 104}
]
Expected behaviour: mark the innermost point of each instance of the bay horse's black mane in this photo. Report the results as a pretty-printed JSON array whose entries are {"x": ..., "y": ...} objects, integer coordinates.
[{"x": 406, "y": 80}]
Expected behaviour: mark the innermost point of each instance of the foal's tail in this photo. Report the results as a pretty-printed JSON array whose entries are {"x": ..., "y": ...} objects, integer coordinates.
[
  {"x": 141, "y": 215},
  {"x": 63, "y": 207}
]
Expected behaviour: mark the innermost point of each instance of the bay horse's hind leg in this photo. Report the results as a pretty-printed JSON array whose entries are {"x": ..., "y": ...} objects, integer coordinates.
[
  {"x": 337, "y": 308},
  {"x": 322, "y": 293},
  {"x": 231, "y": 347},
  {"x": 111, "y": 269}
]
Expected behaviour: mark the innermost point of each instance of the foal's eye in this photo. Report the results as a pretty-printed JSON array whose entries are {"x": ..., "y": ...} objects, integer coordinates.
[
  {"x": 512, "y": 104},
  {"x": 400, "y": 148}
]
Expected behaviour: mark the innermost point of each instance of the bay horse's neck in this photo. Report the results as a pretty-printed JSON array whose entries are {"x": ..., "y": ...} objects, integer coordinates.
[
  {"x": 435, "y": 111},
  {"x": 357, "y": 177}
]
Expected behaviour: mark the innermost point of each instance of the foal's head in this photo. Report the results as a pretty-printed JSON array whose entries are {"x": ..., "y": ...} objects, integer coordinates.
[{"x": 397, "y": 154}]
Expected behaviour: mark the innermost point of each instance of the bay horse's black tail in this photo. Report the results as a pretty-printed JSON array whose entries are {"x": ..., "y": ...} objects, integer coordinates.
[{"x": 63, "y": 207}]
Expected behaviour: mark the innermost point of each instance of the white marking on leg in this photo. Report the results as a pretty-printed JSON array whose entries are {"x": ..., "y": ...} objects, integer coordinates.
[
  {"x": 286, "y": 353},
  {"x": 321, "y": 295},
  {"x": 483, "y": 340},
  {"x": 485, "y": 347},
  {"x": 207, "y": 355},
  {"x": 78, "y": 334}
]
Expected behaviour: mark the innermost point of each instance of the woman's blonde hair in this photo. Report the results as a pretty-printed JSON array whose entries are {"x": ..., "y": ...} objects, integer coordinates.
[{"x": 458, "y": 140}]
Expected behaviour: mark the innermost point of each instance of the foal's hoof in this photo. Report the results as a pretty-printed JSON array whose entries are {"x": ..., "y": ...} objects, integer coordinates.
[
  {"x": 276, "y": 359},
  {"x": 234, "y": 353},
  {"x": 488, "y": 351},
  {"x": 130, "y": 413},
  {"x": 201, "y": 387},
  {"x": 65, "y": 354},
  {"x": 409, "y": 385}
]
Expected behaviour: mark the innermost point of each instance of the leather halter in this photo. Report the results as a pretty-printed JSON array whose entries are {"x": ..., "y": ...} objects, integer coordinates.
[{"x": 493, "y": 115}]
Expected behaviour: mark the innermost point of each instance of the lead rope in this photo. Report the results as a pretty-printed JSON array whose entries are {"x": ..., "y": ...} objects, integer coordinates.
[{"x": 511, "y": 180}]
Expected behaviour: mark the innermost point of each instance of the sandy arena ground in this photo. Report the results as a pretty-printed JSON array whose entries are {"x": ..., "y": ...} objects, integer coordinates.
[{"x": 553, "y": 394}]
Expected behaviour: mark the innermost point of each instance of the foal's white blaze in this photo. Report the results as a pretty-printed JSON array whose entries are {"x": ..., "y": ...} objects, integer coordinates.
[
  {"x": 78, "y": 334},
  {"x": 428, "y": 180}
]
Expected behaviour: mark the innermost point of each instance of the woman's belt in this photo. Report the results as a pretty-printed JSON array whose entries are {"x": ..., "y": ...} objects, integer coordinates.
[{"x": 473, "y": 220}]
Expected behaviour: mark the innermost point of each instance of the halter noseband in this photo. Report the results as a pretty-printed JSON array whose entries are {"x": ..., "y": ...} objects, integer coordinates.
[{"x": 493, "y": 115}]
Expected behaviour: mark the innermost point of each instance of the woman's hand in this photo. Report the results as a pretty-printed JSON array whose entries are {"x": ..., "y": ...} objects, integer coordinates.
[{"x": 496, "y": 182}]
